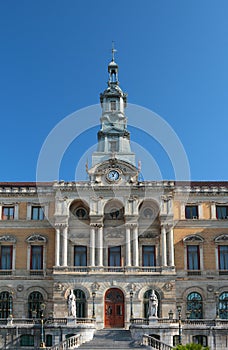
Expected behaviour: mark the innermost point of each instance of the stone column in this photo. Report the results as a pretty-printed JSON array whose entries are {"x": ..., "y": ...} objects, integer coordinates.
[
  {"x": 57, "y": 245},
  {"x": 92, "y": 246},
  {"x": 106, "y": 144},
  {"x": 128, "y": 245},
  {"x": 163, "y": 246},
  {"x": 135, "y": 246},
  {"x": 171, "y": 248},
  {"x": 100, "y": 245},
  {"x": 65, "y": 230},
  {"x": 213, "y": 211}
]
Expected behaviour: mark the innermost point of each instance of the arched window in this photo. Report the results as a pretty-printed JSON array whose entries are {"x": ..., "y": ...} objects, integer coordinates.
[
  {"x": 80, "y": 303},
  {"x": 194, "y": 305},
  {"x": 146, "y": 298},
  {"x": 6, "y": 304},
  {"x": 35, "y": 300},
  {"x": 223, "y": 305}
]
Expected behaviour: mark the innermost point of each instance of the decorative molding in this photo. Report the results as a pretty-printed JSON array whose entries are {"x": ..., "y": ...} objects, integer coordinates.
[
  {"x": 221, "y": 238},
  {"x": 36, "y": 238},
  {"x": 8, "y": 238},
  {"x": 95, "y": 286},
  {"x": 193, "y": 238},
  {"x": 168, "y": 286}
]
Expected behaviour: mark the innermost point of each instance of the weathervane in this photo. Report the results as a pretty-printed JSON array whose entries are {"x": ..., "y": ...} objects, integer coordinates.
[{"x": 113, "y": 51}]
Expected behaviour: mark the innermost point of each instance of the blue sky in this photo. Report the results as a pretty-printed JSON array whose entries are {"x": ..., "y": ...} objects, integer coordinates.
[{"x": 172, "y": 56}]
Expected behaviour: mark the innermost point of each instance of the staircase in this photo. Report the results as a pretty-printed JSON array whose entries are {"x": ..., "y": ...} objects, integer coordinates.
[{"x": 111, "y": 339}]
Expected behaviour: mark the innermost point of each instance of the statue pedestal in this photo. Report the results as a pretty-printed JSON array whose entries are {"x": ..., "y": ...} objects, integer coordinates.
[
  {"x": 152, "y": 320},
  {"x": 71, "y": 321}
]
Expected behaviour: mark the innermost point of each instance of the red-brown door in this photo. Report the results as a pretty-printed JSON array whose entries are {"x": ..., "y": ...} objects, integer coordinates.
[{"x": 114, "y": 308}]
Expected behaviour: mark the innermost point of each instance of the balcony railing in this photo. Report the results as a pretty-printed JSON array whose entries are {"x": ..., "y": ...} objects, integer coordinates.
[
  {"x": 185, "y": 322},
  {"x": 6, "y": 272},
  {"x": 48, "y": 322},
  {"x": 113, "y": 269}
]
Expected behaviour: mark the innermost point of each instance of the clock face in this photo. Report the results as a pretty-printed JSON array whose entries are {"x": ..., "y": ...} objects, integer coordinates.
[{"x": 113, "y": 175}]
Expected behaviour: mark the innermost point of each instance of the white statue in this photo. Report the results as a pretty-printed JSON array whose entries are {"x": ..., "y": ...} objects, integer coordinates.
[
  {"x": 72, "y": 304},
  {"x": 153, "y": 305}
]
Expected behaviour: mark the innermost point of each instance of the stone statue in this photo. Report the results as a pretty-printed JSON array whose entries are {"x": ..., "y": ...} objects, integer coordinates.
[
  {"x": 153, "y": 305},
  {"x": 72, "y": 304}
]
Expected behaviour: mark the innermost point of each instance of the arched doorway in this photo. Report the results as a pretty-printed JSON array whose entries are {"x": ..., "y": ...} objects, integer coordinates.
[{"x": 114, "y": 308}]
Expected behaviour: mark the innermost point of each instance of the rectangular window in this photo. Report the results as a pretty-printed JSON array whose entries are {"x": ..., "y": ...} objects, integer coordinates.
[
  {"x": 191, "y": 212},
  {"x": 113, "y": 146},
  {"x": 223, "y": 257},
  {"x": 114, "y": 256},
  {"x": 36, "y": 262},
  {"x": 113, "y": 105},
  {"x": 193, "y": 257},
  {"x": 148, "y": 255},
  {"x": 7, "y": 213},
  {"x": 6, "y": 257},
  {"x": 80, "y": 255},
  {"x": 37, "y": 213},
  {"x": 27, "y": 340},
  {"x": 221, "y": 211}
]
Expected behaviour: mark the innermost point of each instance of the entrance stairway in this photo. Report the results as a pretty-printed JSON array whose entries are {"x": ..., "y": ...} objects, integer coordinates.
[{"x": 112, "y": 339}]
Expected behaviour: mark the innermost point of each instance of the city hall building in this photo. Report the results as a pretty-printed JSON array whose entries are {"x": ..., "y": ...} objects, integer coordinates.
[{"x": 112, "y": 240}]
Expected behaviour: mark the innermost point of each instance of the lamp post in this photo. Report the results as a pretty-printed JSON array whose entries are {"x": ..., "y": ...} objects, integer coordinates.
[
  {"x": 179, "y": 321},
  {"x": 131, "y": 303},
  {"x": 93, "y": 296},
  {"x": 170, "y": 314},
  {"x": 42, "y": 342}
]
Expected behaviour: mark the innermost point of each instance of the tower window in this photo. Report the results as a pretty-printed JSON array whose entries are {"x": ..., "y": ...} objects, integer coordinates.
[
  {"x": 113, "y": 105},
  {"x": 113, "y": 146}
]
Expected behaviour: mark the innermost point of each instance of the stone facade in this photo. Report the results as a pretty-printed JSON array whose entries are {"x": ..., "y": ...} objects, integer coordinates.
[{"x": 113, "y": 239}]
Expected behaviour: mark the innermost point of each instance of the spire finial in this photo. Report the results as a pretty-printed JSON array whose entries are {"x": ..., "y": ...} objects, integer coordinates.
[{"x": 113, "y": 51}]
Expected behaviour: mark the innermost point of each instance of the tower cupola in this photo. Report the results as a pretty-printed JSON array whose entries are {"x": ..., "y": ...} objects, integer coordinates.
[
  {"x": 113, "y": 70},
  {"x": 113, "y": 137}
]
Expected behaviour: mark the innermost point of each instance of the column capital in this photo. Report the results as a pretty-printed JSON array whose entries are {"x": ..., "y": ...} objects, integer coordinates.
[
  {"x": 131, "y": 225},
  {"x": 167, "y": 226},
  {"x": 96, "y": 225},
  {"x": 60, "y": 226}
]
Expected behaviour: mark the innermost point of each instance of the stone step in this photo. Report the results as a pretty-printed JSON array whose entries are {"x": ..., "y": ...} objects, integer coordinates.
[{"x": 111, "y": 339}]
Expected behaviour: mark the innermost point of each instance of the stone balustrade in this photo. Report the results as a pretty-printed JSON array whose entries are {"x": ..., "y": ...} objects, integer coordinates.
[
  {"x": 70, "y": 343},
  {"x": 155, "y": 343}
]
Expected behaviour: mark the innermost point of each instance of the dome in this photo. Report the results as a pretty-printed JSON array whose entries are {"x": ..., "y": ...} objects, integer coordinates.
[{"x": 113, "y": 64}]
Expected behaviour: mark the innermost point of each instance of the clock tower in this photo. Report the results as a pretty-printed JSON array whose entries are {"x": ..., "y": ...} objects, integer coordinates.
[{"x": 113, "y": 149}]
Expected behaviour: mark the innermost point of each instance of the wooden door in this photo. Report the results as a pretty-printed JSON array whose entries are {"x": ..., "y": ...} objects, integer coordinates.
[{"x": 114, "y": 308}]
